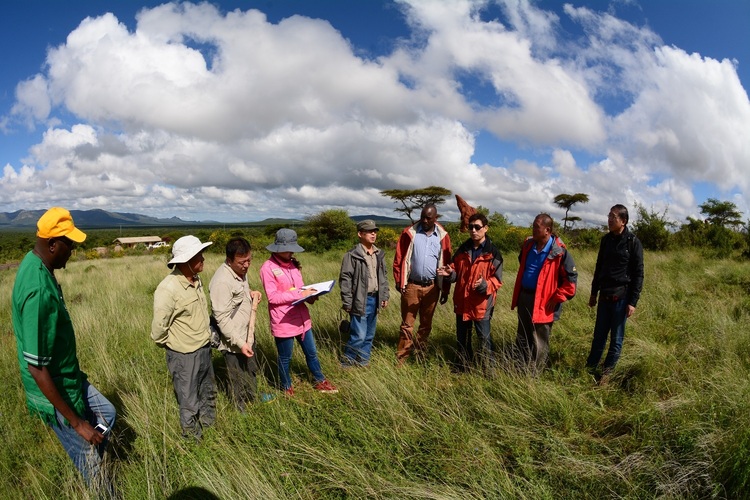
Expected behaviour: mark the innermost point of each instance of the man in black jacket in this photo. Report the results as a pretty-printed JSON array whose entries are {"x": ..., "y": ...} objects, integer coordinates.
[{"x": 618, "y": 280}]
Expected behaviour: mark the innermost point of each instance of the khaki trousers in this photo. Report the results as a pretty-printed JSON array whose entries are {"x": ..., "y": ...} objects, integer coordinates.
[{"x": 420, "y": 301}]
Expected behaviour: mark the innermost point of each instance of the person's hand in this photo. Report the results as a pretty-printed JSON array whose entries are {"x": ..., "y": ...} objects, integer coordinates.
[
  {"x": 256, "y": 296},
  {"x": 384, "y": 304},
  {"x": 443, "y": 299},
  {"x": 87, "y": 432},
  {"x": 444, "y": 271},
  {"x": 592, "y": 300},
  {"x": 308, "y": 291},
  {"x": 630, "y": 311},
  {"x": 347, "y": 309},
  {"x": 247, "y": 350}
]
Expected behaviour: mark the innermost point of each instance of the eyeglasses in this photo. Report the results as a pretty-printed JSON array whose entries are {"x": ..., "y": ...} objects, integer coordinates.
[
  {"x": 475, "y": 227},
  {"x": 613, "y": 216}
]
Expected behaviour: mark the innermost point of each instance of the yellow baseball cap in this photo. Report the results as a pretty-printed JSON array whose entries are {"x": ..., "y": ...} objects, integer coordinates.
[{"x": 56, "y": 223}]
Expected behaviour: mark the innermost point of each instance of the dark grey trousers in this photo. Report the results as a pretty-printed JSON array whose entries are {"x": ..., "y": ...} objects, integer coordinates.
[
  {"x": 242, "y": 373},
  {"x": 532, "y": 339},
  {"x": 194, "y": 387}
]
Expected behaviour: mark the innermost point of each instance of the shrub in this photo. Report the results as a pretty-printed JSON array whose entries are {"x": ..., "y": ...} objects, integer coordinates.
[{"x": 329, "y": 229}]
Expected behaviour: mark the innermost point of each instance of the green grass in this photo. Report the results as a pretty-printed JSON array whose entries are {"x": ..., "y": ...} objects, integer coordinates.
[{"x": 673, "y": 423}]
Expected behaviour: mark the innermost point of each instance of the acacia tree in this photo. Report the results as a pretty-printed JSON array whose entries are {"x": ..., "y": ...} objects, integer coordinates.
[
  {"x": 721, "y": 213},
  {"x": 568, "y": 200},
  {"x": 414, "y": 199}
]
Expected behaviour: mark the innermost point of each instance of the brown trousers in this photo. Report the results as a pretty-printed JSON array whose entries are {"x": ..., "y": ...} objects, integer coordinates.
[{"x": 416, "y": 300}]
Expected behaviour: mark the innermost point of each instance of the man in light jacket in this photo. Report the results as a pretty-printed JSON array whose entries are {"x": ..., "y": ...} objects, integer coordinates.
[
  {"x": 364, "y": 291},
  {"x": 181, "y": 327},
  {"x": 421, "y": 250},
  {"x": 234, "y": 305}
]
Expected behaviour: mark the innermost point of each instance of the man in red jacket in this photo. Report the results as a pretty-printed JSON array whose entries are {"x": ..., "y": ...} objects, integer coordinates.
[
  {"x": 421, "y": 250},
  {"x": 477, "y": 270},
  {"x": 546, "y": 278}
]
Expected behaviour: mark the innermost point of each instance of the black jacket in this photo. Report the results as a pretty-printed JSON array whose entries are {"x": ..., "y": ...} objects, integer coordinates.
[{"x": 619, "y": 266}]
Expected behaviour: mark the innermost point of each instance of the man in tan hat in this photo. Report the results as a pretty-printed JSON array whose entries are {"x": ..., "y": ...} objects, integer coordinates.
[
  {"x": 364, "y": 291},
  {"x": 57, "y": 391},
  {"x": 181, "y": 326}
]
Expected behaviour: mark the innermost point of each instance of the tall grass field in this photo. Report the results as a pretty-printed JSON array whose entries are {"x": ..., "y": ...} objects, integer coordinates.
[{"x": 673, "y": 422}]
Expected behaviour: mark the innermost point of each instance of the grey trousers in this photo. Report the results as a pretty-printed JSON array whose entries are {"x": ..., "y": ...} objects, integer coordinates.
[
  {"x": 194, "y": 387},
  {"x": 242, "y": 373},
  {"x": 532, "y": 339}
]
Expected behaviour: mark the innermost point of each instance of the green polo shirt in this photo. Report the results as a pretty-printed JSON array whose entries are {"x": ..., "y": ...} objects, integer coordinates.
[{"x": 45, "y": 338}]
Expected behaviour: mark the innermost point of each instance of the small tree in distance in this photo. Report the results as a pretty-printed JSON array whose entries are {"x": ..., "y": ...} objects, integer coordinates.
[
  {"x": 330, "y": 228},
  {"x": 414, "y": 199},
  {"x": 568, "y": 200}
]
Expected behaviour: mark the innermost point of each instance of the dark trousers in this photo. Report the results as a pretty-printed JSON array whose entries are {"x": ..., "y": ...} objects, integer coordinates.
[
  {"x": 532, "y": 339},
  {"x": 463, "y": 337},
  {"x": 242, "y": 374},
  {"x": 610, "y": 322},
  {"x": 194, "y": 387}
]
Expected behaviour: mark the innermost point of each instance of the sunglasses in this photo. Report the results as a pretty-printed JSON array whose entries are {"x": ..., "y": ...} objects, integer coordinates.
[{"x": 475, "y": 227}]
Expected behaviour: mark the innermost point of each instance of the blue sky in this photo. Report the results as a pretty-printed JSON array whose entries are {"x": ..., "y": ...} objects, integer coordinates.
[{"x": 242, "y": 110}]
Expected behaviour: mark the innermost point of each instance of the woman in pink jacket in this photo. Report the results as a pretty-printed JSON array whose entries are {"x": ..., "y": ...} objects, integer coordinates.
[{"x": 282, "y": 281}]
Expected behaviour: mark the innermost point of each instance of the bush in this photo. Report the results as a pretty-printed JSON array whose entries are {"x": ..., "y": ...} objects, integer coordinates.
[
  {"x": 653, "y": 229},
  {"x": 329, "y": 229}
]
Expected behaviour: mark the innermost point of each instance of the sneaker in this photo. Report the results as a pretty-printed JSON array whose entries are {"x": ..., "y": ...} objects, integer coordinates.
[
  {"x": 265, "y": 397},
  {"x": 289, "y": 392},
  {"x": 326, "y": 387}
]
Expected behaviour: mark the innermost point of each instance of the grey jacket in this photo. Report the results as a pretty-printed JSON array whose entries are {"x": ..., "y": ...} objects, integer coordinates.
[{"x": 353, "y": 280}]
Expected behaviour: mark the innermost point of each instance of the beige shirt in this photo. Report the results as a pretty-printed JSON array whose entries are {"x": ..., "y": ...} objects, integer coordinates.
[
  {"x": 180, "y": 314},
  {"x": 372, "y": 268},
  {"x": 232, "y": 307}
]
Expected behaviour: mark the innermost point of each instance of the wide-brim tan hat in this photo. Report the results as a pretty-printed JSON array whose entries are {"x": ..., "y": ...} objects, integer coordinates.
[{"x": 185, "y": 249}]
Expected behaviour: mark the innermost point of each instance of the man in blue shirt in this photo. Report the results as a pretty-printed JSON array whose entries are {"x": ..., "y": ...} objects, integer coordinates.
[
  {"x": 547, "y": 277},
  {"x": 421, "y": 250}
]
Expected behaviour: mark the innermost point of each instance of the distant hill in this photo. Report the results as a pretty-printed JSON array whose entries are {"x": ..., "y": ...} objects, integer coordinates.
[{"x": 97, "y": 218}]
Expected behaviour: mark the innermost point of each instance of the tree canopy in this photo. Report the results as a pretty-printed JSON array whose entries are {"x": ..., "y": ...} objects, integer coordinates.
[
  {"x": 721, "y": 213},
  {"x": 566, "y": 201},
  {"x": 414, "y": 199}
]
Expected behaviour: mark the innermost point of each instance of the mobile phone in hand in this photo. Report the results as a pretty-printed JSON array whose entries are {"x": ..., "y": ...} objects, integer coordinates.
[{"x": 103, "y": 429}]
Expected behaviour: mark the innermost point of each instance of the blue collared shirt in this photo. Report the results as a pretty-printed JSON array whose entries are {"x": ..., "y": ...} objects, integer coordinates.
[
  {"x": 476, "y": 252},
  {"x": 534, "y": 262},
  {"x": 425, "y": 255}
]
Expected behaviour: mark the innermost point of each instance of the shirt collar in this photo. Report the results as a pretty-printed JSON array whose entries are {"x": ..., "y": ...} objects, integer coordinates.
[{"x": 232, "y": 273}]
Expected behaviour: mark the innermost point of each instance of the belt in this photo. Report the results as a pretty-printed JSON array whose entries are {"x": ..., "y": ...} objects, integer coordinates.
[
  {"x": 610, "y": 298},
  {"x": 528, "y": 290},
  {"x": 422, "y": 282},
  {"x": 372, "y": 294}
]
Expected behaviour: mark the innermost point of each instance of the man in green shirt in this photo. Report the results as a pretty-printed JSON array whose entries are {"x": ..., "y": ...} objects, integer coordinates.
[
  {"x": 181, "y": 326},
  {"x": 57, "y": 391}
]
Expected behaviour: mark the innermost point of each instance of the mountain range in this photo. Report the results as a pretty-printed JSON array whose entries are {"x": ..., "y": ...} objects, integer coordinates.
[{"x": 97, "y": 218}]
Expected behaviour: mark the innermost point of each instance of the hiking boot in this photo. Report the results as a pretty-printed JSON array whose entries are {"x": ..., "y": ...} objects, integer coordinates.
[{"x": 326, "y": 387}]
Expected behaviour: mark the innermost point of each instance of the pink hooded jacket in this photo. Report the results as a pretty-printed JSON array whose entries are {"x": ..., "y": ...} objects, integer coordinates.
[{"x": 283, "y": 284}]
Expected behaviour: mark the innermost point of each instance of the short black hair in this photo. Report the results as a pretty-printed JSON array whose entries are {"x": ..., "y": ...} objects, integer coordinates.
[
  {"x": 237, "y": 246},
  {"x": 621, "y": 211},
  {"x": 480, "y": 217},
  {"x": 546, "y": 220}
]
